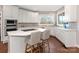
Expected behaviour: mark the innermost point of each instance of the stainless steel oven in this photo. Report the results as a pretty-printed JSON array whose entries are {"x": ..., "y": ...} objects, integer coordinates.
[{"x": 11, "y": 25}]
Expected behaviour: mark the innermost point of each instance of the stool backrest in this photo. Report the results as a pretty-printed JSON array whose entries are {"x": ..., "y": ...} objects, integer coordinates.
[
  {"x": 35, "y": 38},
  {"x": 45, "y": 34}
]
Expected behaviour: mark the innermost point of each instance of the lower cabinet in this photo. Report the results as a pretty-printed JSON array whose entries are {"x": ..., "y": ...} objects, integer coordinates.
[
  {"x": 52, "y": 33},
  {"x": 70, "y": 38},
  {"x": 67, "y": 37}
]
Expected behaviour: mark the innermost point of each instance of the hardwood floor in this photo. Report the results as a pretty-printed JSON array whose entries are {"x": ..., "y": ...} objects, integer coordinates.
[
  {"x": 3, "y": 47},
  {"x": 55, "y": 47}
]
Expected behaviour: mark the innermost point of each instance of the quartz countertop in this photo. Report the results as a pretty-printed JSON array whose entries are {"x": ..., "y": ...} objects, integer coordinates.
[
  {"x": 24, "y": 33},
  {"x": 18, "y": 33},
  {"x": 61, "y": 28}
]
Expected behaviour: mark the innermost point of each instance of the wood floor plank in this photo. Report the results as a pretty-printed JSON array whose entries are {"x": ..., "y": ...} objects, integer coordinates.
[{"x": 55, "y": 47}]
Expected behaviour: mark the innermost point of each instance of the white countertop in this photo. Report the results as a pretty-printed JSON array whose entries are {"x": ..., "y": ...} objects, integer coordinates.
[
  {"x": 61, "y": 28},
  {"x": 24, "y": 33},
  {"x": 18, "y": 33}
]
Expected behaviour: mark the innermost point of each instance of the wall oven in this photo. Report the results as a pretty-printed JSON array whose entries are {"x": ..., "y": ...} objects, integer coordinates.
[{"x": 11, "y": 25}]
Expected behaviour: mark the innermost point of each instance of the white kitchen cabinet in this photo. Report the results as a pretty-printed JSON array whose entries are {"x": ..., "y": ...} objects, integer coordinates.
[
  {"x": 52, "y": 30},
  {"x": 67, "y": 37},
  {"x": 15, "y": 12},
  {"x": 77, "y": 38},
  {"x": 34, "y": 16},
  {"x": 10, "y": 12},
  {"x": 70, "y": 38},
  {"x": 20, "y": 20},
  {"x": 16, "y": 44},
  {"x": 58, "y": 34},
  {"x": 23, "y": 16},
  {"x": 30, "y": 17},
  {"x": 27, "y": 16},
  {"x": 71, "y": 13},
  {"x": 7, "y": 12}
]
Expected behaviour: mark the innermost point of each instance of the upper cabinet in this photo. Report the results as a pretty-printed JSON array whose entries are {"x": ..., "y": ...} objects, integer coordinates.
[
  {"x": 71, "y": 13},
  {"x": 27, "y": 16},
  {"x": 15, "y": 12},
  {"x": 20, "y": 16},
  {"x": 0, "y": 7},
  {"x": 33, "y": 17},
  {"x": 10, "y": 12}
]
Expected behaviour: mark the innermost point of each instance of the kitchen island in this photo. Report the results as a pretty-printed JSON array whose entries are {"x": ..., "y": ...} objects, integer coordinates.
[{"x": 18, "y": 39}]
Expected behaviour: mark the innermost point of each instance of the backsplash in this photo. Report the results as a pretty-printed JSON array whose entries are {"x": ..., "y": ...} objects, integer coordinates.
[
  {"x": 27, "y": 25},
  {"x": 71, "y": 25}
]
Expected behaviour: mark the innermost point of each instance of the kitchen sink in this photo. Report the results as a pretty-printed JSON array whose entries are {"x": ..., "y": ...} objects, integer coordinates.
[{"x": 28, "y": 29}]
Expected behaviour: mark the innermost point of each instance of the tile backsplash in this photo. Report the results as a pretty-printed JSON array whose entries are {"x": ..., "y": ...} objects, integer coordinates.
[
  {"x": 72, "y": 25},
  {"x": 27, "y": 25}
]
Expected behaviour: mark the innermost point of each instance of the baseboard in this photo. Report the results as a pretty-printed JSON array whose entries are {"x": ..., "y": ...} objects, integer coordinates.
[
  {"x": 77, "y": 46},
  {"x": 6, "y": 41},
  {"x": 66, "y": 46},
  {"x": 53, "y": 36},
  {"x": 69, "y": 46}
]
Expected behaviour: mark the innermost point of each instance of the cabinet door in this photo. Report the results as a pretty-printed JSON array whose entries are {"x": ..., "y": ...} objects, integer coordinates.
[
  {"x": 26, "y": 18},
  {"x": 35, "y": 17},
  {"x": 14, "y": 12},
  {"x": 67, "y": 13},
  {"x": 23, "y": 16},
  {"x": 55, "y": 31},
  {"x": 73, "y": 13},
  {"x": 10, "y": 12},
  {"x": 52, "y": 31},
  {"x": 70, "y": 38},
  {"x": 30, "y": 17},
  {"x": 20, "y": 20},
  {"x": 60, "y": 34},
  {"x": 7, "y": 12},
  {"x": 70, "y": 13}
]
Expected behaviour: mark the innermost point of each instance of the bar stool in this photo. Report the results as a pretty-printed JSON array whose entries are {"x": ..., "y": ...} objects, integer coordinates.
[
  {"x": 33, "y": 42},
  {"x": 44, "y": 38}
]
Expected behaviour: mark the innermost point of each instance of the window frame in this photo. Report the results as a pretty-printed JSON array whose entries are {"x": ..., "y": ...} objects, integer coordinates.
[
  {"x": 61, "y": 13},
  {"x": 47, "y": 23}
]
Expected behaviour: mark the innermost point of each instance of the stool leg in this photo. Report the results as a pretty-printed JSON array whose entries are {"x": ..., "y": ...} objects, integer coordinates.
[
  {"x": 32, "y": 47},
  {"x": 43, "y": 47},
  {"x": 26, "y": 48},
  {"x": 48, "y": 46}
]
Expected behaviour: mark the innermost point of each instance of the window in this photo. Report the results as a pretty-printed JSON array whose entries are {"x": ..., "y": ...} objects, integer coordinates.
[
  {"x": 61, "y": 18},
  {"x": 47, "y": 19}
]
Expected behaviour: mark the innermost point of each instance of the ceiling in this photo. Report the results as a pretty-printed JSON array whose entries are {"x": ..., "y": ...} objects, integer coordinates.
[{"x": 41, "y": 7}]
